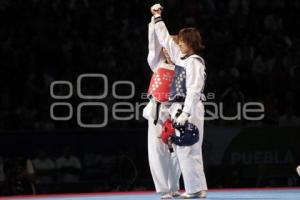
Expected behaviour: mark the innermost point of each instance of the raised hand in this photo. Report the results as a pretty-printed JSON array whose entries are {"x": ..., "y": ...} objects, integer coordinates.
[{"x": 156, "y": 10}]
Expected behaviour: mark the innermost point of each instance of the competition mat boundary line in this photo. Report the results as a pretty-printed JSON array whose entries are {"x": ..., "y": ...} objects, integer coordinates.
[{"x": 68, "y": 195}]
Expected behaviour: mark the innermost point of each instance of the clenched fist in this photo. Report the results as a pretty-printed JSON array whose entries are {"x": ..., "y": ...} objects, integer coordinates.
[{"x": 156, "y": 10}]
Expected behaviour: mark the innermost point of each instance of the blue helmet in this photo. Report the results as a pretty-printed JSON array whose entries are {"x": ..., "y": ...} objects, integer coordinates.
[{"x": 189, "y": 134}]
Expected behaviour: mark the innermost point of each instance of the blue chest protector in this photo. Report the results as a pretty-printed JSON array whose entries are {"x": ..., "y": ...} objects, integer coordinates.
[{"x": 178, "y": 85}]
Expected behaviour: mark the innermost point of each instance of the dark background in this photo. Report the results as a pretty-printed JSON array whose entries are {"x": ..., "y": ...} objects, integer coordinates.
[{"x": 252, "y": 54}]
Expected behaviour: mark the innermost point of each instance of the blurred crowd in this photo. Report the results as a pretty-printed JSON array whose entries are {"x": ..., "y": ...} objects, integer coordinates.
[
  {"x": 46, "y": 172},
  {"x": 252, "y": 53},
  {"x": 70, "y": 171}
]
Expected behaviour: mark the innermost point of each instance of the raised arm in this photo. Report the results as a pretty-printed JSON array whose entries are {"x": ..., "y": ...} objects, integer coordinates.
[
  {"x": 154, "y": 53},
  {"x": 165, "y": 39},
  {"x": 163, "y": 35}
]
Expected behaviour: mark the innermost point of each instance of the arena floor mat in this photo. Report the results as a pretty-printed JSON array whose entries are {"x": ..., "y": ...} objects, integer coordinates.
[{"x": 213, "y": 194}]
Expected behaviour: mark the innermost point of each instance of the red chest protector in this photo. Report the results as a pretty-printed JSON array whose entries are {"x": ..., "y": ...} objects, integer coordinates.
[{"x": 160, "y": 84}]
